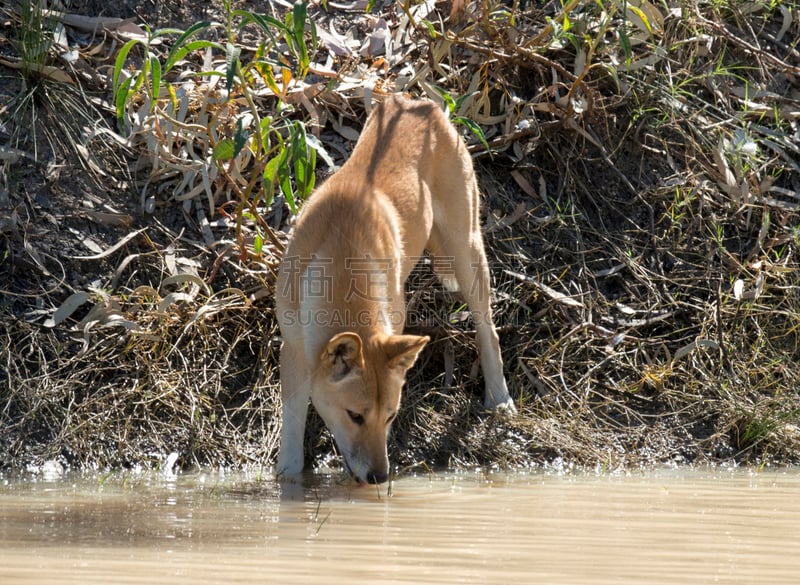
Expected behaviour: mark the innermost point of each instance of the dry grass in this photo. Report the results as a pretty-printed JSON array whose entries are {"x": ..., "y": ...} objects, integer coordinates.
[
  {"x": 642, "y": 223},
  {"x": 181, "y": 381}
]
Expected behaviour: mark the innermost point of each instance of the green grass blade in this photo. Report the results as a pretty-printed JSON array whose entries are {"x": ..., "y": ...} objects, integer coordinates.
[
  {"x": 224, "y": 150},
  {"x": 475, "y": 129},
  {"x": 312, "y": 27},
  {"x": 448, "y": 99},
  {"x": 232, "y": 53},
  {"x": 240, "y": 138},
  {"x": 119, "y": 63},
  {"x": 180, "y": 53},
  {"x": 311, "y": 177},
  {"x": 120, "y": 99},
  {"x": 640, "y": 13},
  {"x": 272, "y": 170},
  {"x": 299, "y": 14},
  {"x": 286, "y": 188},
  {"x": 626, "y": 45},
  {"x": 181, "y": 41},
  {"x": 266, "y": 23},
  {"x": 155, "y": 79},
  {"x": 305, "y": 159}
]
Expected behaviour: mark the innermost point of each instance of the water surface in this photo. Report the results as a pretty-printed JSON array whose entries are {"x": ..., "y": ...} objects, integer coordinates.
[{"x": 685, "y": 526}]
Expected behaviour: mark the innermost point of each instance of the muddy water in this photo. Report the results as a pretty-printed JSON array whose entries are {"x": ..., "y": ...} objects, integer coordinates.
[{"x": 661, "y": 527}]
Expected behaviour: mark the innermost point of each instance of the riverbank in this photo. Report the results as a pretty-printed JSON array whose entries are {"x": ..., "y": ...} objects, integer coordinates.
[{"x": 641, "y": 218}]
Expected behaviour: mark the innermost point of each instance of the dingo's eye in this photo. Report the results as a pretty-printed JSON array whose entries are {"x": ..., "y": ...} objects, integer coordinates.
[{"x": 355, "y": 417}]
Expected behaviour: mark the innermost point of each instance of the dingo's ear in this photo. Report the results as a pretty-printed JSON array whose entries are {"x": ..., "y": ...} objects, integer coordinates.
[
  {"x": 342, "y": 354},
  {"x": 402, "y": 350}
]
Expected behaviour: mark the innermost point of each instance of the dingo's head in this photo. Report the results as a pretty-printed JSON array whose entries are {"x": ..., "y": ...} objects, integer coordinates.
[{"x": 356, "y": 390}]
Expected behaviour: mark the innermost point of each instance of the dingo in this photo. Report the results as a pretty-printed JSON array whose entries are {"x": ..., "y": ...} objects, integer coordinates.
[{"x": 409, "y": 185}]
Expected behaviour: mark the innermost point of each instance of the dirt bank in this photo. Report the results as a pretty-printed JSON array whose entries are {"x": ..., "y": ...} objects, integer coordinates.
[{"x": 641, "y": 217}]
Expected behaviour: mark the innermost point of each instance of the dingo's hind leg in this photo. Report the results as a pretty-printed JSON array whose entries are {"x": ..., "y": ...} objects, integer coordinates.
[
  {"x": 472, "y": 270},
  {"x": 463, "y": 245},
  {"x": 442, "y": 264}
]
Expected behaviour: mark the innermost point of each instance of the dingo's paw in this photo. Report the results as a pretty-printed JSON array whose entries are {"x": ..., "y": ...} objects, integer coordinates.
[{"x": 503, "y": 406}]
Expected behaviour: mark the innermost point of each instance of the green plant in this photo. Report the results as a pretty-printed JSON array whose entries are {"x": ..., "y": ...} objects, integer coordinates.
[
  {"x": 453, "y": 106},
  {"x": 208, "y": 119},
  {"x": 35, "y": 38},
  {"x": 51, "y": 108}
]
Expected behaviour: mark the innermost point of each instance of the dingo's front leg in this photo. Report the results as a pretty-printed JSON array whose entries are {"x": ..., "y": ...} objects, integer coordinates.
[{"x": 295, "y": 393}]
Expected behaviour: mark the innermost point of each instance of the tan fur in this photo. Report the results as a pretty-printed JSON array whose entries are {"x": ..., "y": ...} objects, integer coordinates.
[{"x": 408, "y": 186}]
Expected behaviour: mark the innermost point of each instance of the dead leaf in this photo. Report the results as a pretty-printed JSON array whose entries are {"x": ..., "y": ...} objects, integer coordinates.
[
  {"x": 115, "y": 219},
  {"x": 334, "y": 42},
  {"x": 68, "y": 307},
  {"x": 112, "y": 249},
  {"x": 379, "y": 40},
  {"x": 186, "y": 277},
  {"x": 519, "y": 211},
  {"x": 523, "y": 183},
  {"x": 48, "y": 71},
  {"x": 726, "y": 174},
  {"x": 95, "y": 24},
  {"x": 173, "y": 298}
]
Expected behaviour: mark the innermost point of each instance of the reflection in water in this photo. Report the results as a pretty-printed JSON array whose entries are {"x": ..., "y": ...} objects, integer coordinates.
[{"x": 666, "y": 527}]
